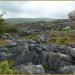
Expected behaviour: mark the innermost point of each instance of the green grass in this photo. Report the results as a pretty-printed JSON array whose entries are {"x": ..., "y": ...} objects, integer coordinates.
[{"x": 30, "y": 37}]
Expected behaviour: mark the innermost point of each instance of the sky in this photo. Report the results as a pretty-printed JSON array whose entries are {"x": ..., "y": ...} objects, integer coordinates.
[{"x": 37, "y": 9}]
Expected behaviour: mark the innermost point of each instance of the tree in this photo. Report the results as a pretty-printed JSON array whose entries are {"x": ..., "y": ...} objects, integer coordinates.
[{"x": 2, "y": 24}]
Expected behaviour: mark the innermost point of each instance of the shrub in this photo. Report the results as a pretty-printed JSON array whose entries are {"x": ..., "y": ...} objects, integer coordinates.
[
  {"x": 5, "y": 68},
  {"x": 46, "y": 67}
]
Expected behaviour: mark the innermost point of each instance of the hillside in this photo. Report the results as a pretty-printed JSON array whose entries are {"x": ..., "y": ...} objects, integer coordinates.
[{"x": 25, "y": 20}]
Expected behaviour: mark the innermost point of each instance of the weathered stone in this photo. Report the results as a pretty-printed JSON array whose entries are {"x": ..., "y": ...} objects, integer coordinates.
[
  {"x": 45, "y": 47},
  {"x": 62, "y": 49},
  {"x": 42, "y": 38},
  {"x": 52, "y": 48},
  {"x": 53, "y": 61},
  {"x": 72, "y": 52},
  {"x": 66, "y": 50},
  {"x": 37, "y": 53},
  {"x": 31, "y": 42},
  {"x": 23, "y": 56},
  {"x": 36, "y": 57},
  {"x": 65, "y": 57},
  {"x": 73, "y": 45},
  {"x": 36, "y": 47},
  {"x": 4, "y": 56},
  {"x": 23, "y": 32},
  {"x": 31, "y": 69},
  {"x": 11, "y": 43},
  {"x": 3, "y": 49},
  {"x": 45, "y": 58},
  {"x": 70, "y": 69},
  {"x": 51, "y": 56}
]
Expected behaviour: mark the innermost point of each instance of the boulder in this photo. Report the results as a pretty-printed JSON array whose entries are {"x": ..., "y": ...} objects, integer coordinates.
[
  {"x": 36, "y": 58},
  {"x": 73, "y": 45},
  {"x": 30, "y": 69},
  {"x": 45, "y": 47},
  {"x": 37, "y": 52},
  {"x": 63, "y": 49},
  {"x": 24, "y": 32},
  {"x": 36, "y": 55},
  {"x": 70, "y": 69},
  {"x": 35, "y": 47},
  {"x": 23, "y": 56},
  {"x": 3, "y": 49},
  {"x": 65, "y": 57},
  {"x": 31, "y": 42},
  {"x": 42, "y": 38},
  {"x": 4, "y": 53},
  {"x": 39, "y": 47},
  {"x": 11, "y": 43},
  {"x": 67, "y": 50},
  {"x": 72, "y": 52},
  {"x": 45, "y": 58},
  {"x": 52, "y": 48},
  {"x": 4, "y": 56},
  {"x": 54, "y": 61}
]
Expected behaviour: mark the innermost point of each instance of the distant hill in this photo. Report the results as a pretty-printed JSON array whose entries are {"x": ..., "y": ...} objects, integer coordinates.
[{"x": 25, "y": 20}]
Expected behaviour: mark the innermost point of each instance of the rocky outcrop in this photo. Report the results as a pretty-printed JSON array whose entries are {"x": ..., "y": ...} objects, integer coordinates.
[{"x": 51, "y": 57}]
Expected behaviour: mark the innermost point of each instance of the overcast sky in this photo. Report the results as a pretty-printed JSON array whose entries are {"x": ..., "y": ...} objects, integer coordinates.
[{"x": 37, "y": 9}]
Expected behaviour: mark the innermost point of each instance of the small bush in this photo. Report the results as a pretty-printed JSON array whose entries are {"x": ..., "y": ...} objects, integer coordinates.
[
  {"x": 46, "y": 67},
  {"x": 5, "y": 68}
]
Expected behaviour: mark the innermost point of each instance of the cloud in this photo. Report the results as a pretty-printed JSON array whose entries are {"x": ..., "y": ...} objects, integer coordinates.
[{"x": 37, "y": 9}]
